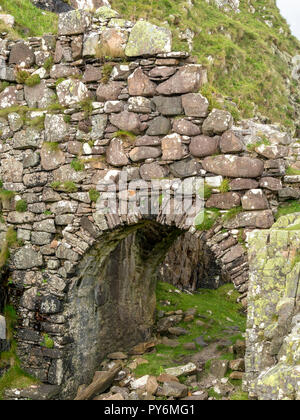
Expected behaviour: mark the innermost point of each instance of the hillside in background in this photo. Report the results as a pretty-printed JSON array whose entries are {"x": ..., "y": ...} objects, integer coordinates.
[
  {"x": 29, "y": 20},
  {"x": 247, "y": 51}
]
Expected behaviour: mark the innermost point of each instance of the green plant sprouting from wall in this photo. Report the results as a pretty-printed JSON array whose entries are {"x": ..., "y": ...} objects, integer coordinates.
[{"x": 11, "y": 241}]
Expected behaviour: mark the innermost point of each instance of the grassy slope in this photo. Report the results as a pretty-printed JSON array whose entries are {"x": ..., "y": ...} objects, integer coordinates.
[
  {"x": 220, "y": 311},
  {"x": 29, "y": 20},
  {"x": 245, "y": 67}
]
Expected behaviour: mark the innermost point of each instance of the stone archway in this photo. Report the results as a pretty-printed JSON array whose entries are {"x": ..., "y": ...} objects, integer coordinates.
[{"x": 145, "y": 117}]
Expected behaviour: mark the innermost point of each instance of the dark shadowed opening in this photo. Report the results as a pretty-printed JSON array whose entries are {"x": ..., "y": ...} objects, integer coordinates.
[{"x": 112, "y": 302}]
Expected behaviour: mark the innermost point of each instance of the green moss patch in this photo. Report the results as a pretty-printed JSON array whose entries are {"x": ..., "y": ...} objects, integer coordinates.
[{"x": 292, "y": 206}]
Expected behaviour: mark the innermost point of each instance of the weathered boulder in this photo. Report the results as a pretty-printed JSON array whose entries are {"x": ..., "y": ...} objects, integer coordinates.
[
  {"x": 217, "y": 122},
  {"x": 51, "y": 159},
  {"x": 150, "y": 171},
  {"x": 148, "y": 141},
  {"x": 239, "y": 184},
  {"x": 90, "y": 44},
  {"x": 144, "y": 152},
  {"x": 234, "y": 166},
  {"x": 195, "y": 105},
  {"x": 26, "y": 139},
  {"x": 202, "y": 146},
  {"x": 11, "y": 170},
  {"x": 104, "y": 11},
  {"x": 253, "y": 219},
  {"x": 177, "y": 371},
  {"x": 168, "y": 105},
  {"x": 115, "y": 154},
  {"x": 140, "y": 105},
  {"x": 160, "y": 126},
  {"x": 231, "y": 143},
  {"x": 113, "y": 41},
  {"x": 224, "y": 201},
  {"x": 109, "y": 91},
  {"x": 22, "y": 55},
  {"x": 92, "y": 74},
  {"x": 273, "y": 151},
  {"x": 7, "y": 74},
  {"x": 35, "y": 179},
  {"x": 127, "y": 121},
  {"x": 140, "y": 85},
  {"x": 15, "y": 121},
  {"x": 185, "y": 168},
  {"x": 66, "y": 172},
  {"x": 162, "y": 72},
  {"x": 174, "y": 389},
  {"x": 63, "y": 71},
  {"x": 172, "y": 147},
  {"x": 188, "y": 79},
  {"x": 255, "y": 200},
  {"x": 39, "y": 96},
  {"x": 186, "y": 128},
  {"x": 148, "y": 39},
  {"x": 218, "y": 368}
]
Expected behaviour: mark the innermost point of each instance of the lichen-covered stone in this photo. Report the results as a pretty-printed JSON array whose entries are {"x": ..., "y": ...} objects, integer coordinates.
[
  {"x": 56, "y": 129},
  {"x": 148, "y": 39},
  {"x": 71, "y": 92},
  {"x": 186, "y": 128},
  {"x": 150, "y": 171},
  {"x": 105, "y": 12},
  {"x": 26, "y": 139},
  {"x": 73, "y": 22},
  {"x": 217, "y": 122},
  {"x": 26, "y": 258},
  {"x": 273, "y": 335},
  {"x": 8, "y": 97},
  {"x": 11, "y": 170}
]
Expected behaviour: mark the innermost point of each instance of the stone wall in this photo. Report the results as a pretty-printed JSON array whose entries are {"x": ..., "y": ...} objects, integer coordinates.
[
  {"x": 82, "y": 115},
  {"x": 273, "y": 335}
]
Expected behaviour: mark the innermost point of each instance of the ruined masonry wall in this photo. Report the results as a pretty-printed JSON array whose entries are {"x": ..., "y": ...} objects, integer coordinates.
[
  {"x": 71, "y": 118},
  {"x": 273, "y": 334}
]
